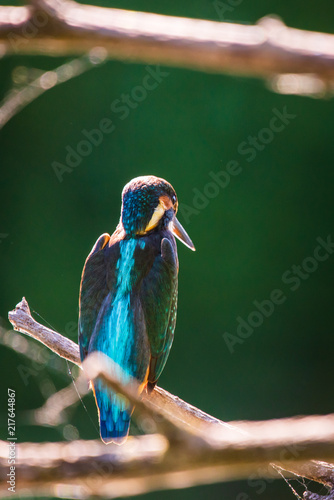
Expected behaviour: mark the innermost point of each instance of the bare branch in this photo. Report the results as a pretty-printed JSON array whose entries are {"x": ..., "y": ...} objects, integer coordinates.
[
  {"x": 142, "y": 464},
  {"x": 199, "y": 449},
  {"x": 17, "y": 99},
  {"x": 23, "y": 322},
  {"x": 98, "y": 365},
  {"x": 52, "y": 412},
  {"x": 264, "y": 50}
]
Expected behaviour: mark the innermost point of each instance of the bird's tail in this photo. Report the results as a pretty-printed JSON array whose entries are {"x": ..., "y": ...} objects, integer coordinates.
[{"x": 114, "y": 413}]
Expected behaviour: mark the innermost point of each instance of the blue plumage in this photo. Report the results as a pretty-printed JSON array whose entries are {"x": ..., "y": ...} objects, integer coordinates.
[
  {"x": 114, "y": 416},
  {"x": 128, "y": 296}
]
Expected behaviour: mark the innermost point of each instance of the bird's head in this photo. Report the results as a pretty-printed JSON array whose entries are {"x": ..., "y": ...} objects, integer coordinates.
[{"x": 150, "y": 203}]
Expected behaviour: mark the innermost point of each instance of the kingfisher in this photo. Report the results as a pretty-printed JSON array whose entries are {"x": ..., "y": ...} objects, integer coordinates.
[{"x": 128, "y": 297}]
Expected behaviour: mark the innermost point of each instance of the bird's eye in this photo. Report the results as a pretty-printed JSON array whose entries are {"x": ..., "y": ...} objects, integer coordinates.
[{"x": 175, "y": 203}]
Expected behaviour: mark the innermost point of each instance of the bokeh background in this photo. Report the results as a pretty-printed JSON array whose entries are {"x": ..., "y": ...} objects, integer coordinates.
[{"x": 266, "y": 220}]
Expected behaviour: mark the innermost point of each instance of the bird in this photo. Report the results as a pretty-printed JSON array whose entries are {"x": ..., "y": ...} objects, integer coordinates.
[{"x": 128, "y": 297}]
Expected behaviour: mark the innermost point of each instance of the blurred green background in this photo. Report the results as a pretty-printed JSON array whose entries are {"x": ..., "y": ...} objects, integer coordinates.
[{"x": 265, "y": 221}]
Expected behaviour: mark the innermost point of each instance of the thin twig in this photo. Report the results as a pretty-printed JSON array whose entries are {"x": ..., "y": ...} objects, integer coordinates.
[{"x": 18, "y": 99}]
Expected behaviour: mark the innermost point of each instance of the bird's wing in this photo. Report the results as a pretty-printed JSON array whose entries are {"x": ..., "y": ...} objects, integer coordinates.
[
  {"x": 159, "y": 299},
  {"x": 93, "y": 291}
]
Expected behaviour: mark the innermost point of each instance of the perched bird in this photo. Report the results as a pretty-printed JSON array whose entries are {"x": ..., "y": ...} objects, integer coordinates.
[{"x": 128, "y": 296}]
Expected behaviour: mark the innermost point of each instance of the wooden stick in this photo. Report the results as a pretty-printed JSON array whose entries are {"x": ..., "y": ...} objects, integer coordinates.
[{"x": 64, "y": 27}]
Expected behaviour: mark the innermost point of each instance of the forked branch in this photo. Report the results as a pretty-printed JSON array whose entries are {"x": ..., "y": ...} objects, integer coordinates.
[{"x": 193, "y": 448}]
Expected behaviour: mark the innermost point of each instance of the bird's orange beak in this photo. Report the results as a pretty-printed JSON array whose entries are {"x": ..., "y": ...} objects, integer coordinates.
[{"x": 181, "y": 234}]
